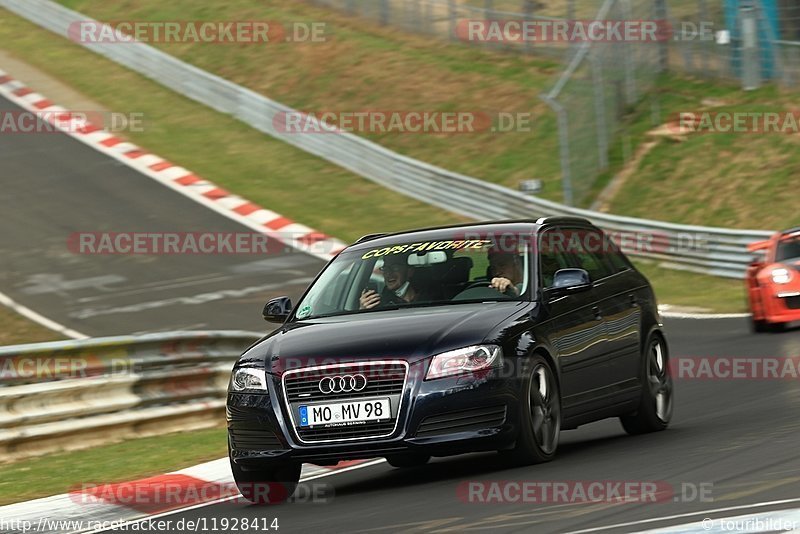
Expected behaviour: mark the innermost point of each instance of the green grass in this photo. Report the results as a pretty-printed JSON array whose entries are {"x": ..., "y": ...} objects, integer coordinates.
[
  {"x": 364, "y": 66},
  {"x": 134, "y": 459},
  {"x": 735, "y": 180},
  {"x": 16, "y": 329},
  {"x": 231, "y": 154},
  {"x": 685, "y": 289}
]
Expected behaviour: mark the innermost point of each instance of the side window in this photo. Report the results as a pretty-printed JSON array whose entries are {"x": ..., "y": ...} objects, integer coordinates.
[
  {"x": 552, "y": 256},
  {"x": 616, "y": 258},
  {"x": 588, "y": 249}
]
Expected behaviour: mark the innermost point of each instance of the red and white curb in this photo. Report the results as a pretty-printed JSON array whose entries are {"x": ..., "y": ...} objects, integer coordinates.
[
  {"x": 183, "y": 181},
  {"x": 96, "y": 506}
]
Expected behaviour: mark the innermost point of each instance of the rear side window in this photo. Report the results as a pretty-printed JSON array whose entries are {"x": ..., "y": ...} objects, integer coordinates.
[{"x": 587, "y": 249}]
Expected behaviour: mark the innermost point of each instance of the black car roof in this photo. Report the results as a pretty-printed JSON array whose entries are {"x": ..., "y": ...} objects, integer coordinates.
[{"x": 446, "y": 232}]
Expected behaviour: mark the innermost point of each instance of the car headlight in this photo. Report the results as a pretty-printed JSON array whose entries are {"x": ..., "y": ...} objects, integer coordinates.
[
  {"x": 781, "y": 276},
  {"x": 246, "y": 379},
  {"x": 466, "y": 360}
]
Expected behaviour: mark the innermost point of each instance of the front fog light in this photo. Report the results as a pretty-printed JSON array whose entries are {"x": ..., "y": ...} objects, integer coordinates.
[
  {"x": 244, "y": 379},
  {"x": 466, "y": 360}
]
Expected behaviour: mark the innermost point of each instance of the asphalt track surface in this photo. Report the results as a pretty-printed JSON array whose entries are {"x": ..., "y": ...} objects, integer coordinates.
[
  {"x": 738, "y": 436},
  {"x": 54, "y": 186},
  {"x": 736, "y": 439}
]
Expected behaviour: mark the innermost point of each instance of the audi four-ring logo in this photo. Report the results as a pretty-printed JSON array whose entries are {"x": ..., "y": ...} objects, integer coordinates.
[{"x": 343, "y": 384}]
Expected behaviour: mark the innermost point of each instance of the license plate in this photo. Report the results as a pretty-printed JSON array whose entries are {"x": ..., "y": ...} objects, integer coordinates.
[{"x": 345, "y": 412}]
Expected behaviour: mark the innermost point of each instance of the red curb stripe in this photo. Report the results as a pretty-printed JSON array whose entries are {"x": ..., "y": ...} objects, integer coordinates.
[
  {"x": 188, "y": 179},
  {"x": 247, "y": 209},
  {"x": 277, "y": 224},
  {"x": 5, "y": 79},
  {"x": 111, "y": 141},
  {"x": 161, "y": 166},
  {"x": 347, "y": 463},
  {"x": 135, "y": 153},
  {"x": 156, "y": 494},
  {"x": 217, "y": 193},
  {"x": 41, "y": 104},
  {"x": 23, "y": 91}
]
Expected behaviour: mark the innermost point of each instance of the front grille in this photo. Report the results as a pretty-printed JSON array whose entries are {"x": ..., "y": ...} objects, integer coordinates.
[
  {"x": 462, "y": 421},
  {"x": 382, "y": 380},
  {"x": 346, "y": 432},
  {"x": 793, "y": 303},
  {"x": 254, "y": 439}
]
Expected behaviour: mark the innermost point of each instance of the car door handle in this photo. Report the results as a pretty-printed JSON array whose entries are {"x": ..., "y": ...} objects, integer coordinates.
[
  {"x": 634, "y": 302},
  {"x": 597, "y": 315}
]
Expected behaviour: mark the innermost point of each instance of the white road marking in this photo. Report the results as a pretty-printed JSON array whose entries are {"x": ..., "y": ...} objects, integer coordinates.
[
  {"x": 7, "y": 301},
  {"x": 688, "y": 514}
]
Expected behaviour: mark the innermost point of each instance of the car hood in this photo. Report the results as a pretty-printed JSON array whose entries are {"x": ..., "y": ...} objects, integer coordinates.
[{"x": 408, "y": 334}]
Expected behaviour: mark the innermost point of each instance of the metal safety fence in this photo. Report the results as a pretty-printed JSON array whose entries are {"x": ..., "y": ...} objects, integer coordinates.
[
  {"x": 716, "y": 251},
  {"x": 67, "y": 394}
]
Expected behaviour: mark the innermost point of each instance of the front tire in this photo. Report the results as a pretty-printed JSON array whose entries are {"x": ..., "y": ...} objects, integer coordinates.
[
  {"x": 270, "y": 485},
  {"x": 758, "y": 326},
  {"x": 540, "y": 425},
  {"x": 655, "y": 407}
]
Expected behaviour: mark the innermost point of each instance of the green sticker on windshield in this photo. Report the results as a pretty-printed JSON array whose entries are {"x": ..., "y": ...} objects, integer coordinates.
[{"x": 304, "y": 312}]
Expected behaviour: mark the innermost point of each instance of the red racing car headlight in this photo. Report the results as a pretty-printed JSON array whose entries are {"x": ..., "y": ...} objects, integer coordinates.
[
  {"x": 466, "y": 360},
  {"x": 781, "y": 275}
]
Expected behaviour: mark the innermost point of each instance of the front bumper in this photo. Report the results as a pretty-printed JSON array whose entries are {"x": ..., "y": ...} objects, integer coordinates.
[
  {"x": 454, "y": 415},
  {"x": 782, "y": 305}
]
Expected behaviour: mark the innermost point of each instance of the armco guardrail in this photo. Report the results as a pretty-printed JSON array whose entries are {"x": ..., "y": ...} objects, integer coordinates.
[
  {"x": 714, "y": 251},
  {"x": 69, "y": 394}
]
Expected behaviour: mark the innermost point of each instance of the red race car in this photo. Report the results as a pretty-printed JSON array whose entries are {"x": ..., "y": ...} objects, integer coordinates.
[{"x": 773, "y": 281}]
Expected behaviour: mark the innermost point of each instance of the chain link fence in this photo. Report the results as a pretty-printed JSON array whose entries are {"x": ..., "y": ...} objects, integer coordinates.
[{"x": 746, "y": 41}]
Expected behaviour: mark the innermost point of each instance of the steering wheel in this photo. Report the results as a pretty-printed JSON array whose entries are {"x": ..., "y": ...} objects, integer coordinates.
[{"x": 486, "y": 284}]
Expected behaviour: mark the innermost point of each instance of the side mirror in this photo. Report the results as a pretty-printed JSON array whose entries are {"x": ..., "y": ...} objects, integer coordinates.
[
  {"x": 277, "y": 310},
  {"x": 572, "y": 280}
]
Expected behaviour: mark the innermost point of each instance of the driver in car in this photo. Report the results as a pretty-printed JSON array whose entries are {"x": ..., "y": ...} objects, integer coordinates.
[
  {"x": 505, "y": 272},
  {"x": 399, "y": 289}
]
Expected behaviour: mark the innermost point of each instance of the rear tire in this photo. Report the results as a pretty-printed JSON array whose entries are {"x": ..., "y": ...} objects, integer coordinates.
[
  {"x": 655, "y": 407},
  {"x": 272, "y": 485},
  {"x": 406, "y": 461},
  {"x": 540, "y": 424}
]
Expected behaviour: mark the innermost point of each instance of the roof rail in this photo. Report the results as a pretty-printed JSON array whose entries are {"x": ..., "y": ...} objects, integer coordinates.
[
  {"x": 563, "y": 220},
  {"x": 369, "y": 237}
]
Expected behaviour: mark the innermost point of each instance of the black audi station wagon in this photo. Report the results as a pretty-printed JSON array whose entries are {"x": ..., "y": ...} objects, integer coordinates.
[{"x": 488, "y": 337}]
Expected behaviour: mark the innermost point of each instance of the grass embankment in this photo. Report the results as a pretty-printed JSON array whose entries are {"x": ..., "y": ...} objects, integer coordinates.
[
  {"x": 16, "y": 329},
  {"x": 267, "y": 171},
  {"x": 132, "y": 460}
]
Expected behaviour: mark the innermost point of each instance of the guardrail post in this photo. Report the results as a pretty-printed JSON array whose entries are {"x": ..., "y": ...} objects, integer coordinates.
[
  {"x": 563, "y": 142},
  {"x": 661, "y": 15},
  {"x": 453, "y": 15},
  {"x": 751, "y": 65},
  {"x": 600, "y": 112}
]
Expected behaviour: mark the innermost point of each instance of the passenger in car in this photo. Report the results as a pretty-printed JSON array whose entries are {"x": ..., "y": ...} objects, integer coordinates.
[
  {"x": 400, "y": 286},
  {"x": 505, "y": 272}
]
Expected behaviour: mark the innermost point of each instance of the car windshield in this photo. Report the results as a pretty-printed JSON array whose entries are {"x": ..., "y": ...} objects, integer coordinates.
[
  {"x": 789, "y": 248},
  {"x": 411, "y": 274}
]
